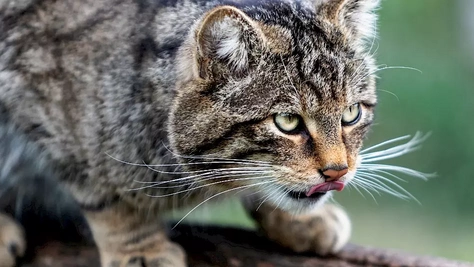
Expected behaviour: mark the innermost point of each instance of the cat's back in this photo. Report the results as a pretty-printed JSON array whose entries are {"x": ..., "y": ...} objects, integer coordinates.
[{"x": 83, "y": 76}]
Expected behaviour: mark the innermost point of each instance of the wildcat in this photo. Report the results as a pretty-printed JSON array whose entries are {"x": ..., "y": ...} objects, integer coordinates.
[{"x": 140, "y": 107}]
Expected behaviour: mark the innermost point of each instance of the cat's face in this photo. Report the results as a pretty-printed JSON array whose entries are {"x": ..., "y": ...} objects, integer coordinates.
[{"x": 280, "y": 100}]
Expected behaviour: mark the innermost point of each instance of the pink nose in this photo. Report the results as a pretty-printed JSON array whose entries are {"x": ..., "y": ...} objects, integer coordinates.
[{"x": 334, "y": 174}]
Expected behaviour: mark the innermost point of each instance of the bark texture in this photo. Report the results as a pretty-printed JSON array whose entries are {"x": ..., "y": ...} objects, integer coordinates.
[{"x": 209, "y": 246}]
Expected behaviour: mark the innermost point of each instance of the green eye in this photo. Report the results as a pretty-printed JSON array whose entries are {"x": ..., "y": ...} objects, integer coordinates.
[
  {"x": 287, "y": 123},
  {"x": 351, "y": 115}
]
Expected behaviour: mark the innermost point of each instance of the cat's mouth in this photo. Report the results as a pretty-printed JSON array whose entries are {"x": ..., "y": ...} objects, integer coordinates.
[
  {"x": 300, "y": 195},
  {"x": 316, "y": 191}
]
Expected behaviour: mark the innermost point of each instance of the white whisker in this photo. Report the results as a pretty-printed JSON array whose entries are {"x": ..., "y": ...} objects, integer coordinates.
[
  {"x": 217, "y": 161},
  {"x": 378, "y": 177},
  {"x": 390, "y": 93},
  {"x": 407, "y": 171},
  {"x": 398, "y": 68},
  {"x": 156, "y": 185},
  {"x": 367, "y": 185},
  {"x": 379, "y": 180},
  {"x": 401, "y": 138},
  {"x": 280, "y": 199},
  {"x": 385, "y": 67},
  {"x": 209, "y": 157},
  {"x": 216, "y": 195},
  {"x": 221, "y": 170},
  {"x": 210, "y": 184},
  {"x": 412, "y": 145},
  {"x": 199, "y": 176},
  {"x": 402, "y": 194},
  {"x": 268, "y": 196},
  {"x": 377, "y": 186},
  {"x": 363, "y": 170},
  {"x": 357, "y": 185}
]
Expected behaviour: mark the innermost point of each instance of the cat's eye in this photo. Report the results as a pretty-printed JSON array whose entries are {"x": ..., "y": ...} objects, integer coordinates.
[
  {"x": 351, "y": 115},
  {"x": 287, "y": 123}
]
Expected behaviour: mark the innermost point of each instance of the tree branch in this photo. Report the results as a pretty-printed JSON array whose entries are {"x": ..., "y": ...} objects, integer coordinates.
[{"x": 210, "y": 246}]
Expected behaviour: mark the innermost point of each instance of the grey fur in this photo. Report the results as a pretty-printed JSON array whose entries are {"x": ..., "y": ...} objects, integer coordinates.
[
  {"x": 29, "y": 191},
  {"x": 98, "y": 77},
  {"x": 84, "y": 82}
]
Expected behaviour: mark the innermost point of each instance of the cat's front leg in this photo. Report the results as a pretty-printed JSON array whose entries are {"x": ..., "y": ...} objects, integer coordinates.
[
  {"x": 324, "y": 230},
  {"x": 12, "y": 241},
  {"x": 126, "y": 238}
]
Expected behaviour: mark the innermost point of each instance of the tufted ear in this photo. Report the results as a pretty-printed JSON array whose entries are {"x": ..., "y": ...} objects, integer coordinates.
[
  {"x": 227, "y": 42},
  {"x": 356, "y": 16}
]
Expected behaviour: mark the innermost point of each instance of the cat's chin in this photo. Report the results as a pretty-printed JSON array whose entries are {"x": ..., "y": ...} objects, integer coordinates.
[
  {"x": 296, "y": 202},
  {"x": 305, "y": 204}
]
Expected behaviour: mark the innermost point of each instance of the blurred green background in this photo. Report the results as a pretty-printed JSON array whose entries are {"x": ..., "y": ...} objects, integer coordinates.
[{"x": 435, "y": 36}]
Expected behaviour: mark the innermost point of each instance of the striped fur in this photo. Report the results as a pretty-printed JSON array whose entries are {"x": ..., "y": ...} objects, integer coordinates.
[{"x": 176, "y": 99}]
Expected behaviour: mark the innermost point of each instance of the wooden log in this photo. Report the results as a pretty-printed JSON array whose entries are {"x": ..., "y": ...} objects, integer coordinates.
[{"x": 212, "y": 246}]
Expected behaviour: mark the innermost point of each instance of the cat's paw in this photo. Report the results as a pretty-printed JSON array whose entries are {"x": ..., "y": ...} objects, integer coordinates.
[
  {"x": 169, "y": 255},
  {"x": 323, "y": 231},
  {"x": 12, "y": 241}
]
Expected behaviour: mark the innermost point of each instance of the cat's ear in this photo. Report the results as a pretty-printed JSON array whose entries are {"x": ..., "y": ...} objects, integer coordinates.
[
  {"x": 227, "y": 42},
  {"x": 356, "y": 16}
]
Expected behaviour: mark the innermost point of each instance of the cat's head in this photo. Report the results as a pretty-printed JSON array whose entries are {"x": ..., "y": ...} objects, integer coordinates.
[{"x": 277, "y": 97}]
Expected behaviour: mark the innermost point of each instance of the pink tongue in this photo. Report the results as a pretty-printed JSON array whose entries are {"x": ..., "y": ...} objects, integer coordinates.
[{"x": 324, "y": 187}]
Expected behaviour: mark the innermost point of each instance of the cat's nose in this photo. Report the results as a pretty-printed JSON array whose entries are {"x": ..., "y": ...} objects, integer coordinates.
[{"x": 334, "y": 173}]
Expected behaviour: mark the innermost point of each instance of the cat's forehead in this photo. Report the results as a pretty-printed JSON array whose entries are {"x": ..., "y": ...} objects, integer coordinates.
[
  {"x": 324, "y": 74},
  {"x": 312, "y": 80},
  {"x": 310, "y": 66},
  {"x": 282, "y": 86},
  {"x": 312, "y": 83}
]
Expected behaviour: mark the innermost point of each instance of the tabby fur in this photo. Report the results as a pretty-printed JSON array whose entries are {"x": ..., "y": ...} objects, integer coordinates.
[{"x": 117, "y": 95}]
